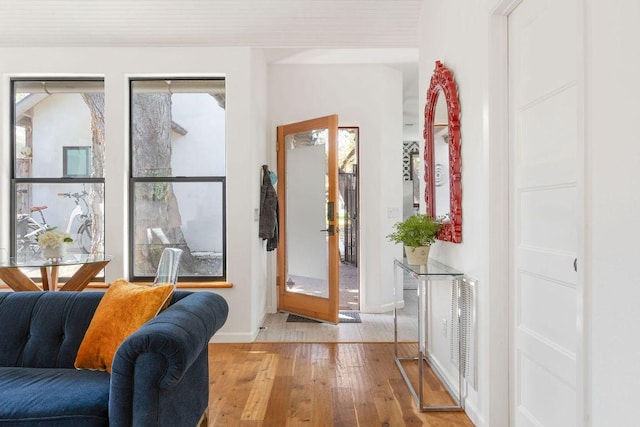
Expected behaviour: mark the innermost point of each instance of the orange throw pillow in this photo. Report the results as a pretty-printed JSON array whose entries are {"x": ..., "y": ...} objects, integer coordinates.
[{"x": 124, "y": 308}]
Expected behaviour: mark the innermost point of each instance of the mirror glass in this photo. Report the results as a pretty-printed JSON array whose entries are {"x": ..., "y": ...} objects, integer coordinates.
[
  {"x": 441, "y": 159},
  {"x": 416, "y": 178}
]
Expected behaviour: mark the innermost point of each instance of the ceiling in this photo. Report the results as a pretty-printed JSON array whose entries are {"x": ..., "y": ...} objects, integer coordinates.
[
  {"x": 260, "y": 23},
  {"x": 290, "y": 31}
]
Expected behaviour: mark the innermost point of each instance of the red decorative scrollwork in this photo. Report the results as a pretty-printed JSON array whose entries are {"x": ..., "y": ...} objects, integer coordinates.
[{"x": 442, "y": 81}]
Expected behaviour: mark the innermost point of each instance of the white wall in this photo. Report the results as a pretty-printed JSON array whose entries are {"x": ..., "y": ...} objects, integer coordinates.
[
  {"x": 613, "y": 230},
  {"x": 261, "y": 266},
  {"x": 456, "y": 33},
  {"x": 53, "y": 128},
  {"x": 245, "y": 71},
  {"x": 204, "y": 121},
  {"x": 370, "y": 97},
  {"x": 463, "y": 39}
]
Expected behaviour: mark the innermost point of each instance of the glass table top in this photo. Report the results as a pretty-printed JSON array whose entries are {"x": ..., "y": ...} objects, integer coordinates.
[
  {"x": 430, "y": 269},
  {"x": 37, "y": 261}
]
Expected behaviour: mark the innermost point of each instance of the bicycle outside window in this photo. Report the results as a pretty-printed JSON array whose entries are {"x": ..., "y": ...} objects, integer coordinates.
[{"x": 46, "y": 115}]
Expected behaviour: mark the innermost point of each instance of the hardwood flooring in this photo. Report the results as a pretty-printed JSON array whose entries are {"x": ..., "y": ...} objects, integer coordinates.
[
  {"x": 318, "y": 384},
  {"x": 374, "y": 327}
]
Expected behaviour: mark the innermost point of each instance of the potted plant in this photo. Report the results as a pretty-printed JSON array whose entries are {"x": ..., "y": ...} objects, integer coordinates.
[
  {"x": 417, "y": 233},
  {"x": 53, "y": 243}
]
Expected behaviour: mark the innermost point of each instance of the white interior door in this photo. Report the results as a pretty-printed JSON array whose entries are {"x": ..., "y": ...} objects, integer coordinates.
[{"x": 543, "y": 214}]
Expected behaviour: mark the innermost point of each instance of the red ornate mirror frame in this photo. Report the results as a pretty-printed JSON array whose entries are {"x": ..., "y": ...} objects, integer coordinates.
[{"x": 442, "y": 82}]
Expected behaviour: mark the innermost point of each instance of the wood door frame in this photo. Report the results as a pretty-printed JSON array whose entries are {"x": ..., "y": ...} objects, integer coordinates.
[{"x": 325, "y": 309}]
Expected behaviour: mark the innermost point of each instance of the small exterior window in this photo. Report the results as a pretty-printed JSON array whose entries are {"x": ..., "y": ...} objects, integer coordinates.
[
  {"x": 177, "y": 182},
  {"x": 76, "y": 162}
]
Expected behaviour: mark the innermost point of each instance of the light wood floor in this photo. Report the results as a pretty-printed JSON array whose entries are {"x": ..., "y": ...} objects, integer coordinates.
[
  {"x": 374, "y": 327},
  {"x": 317, "y": 384},
  {"x": 316, "y": 374}
]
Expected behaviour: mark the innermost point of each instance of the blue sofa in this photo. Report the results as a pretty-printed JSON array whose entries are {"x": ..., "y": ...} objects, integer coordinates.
[{"x": 159, "y": 374}]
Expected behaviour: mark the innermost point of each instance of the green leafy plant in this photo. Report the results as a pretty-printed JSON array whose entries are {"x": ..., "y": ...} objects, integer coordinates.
[{"x": 417, "y": 230}]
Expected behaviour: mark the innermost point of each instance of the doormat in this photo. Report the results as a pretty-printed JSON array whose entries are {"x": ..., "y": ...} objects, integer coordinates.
[
  {"x": 349, "y": 317},
  {"x": 343, "y": 317},
  {"x": 300, "y": 319}
]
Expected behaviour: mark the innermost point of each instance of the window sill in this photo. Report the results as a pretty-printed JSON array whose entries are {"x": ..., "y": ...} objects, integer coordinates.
[{"x": 181, "y": 285}]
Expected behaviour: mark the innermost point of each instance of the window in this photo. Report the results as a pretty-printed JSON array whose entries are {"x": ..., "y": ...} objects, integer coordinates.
[
  {"x": 54, "y": 184},
  {"x": 177, "y": 182},
  {"x": 76, "y": 162}
]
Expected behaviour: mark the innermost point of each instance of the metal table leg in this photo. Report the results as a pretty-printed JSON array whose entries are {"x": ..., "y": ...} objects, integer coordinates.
[{"x": 422, "y": 356}]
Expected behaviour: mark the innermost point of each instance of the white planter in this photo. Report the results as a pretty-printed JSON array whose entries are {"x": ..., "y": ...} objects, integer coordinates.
[
  {"x": 418, "y": 255},
  {"x": 54, "y": 253}
]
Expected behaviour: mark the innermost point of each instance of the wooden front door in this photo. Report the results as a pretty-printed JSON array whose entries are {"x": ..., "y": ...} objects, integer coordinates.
[{"x": 308, "y": 256}]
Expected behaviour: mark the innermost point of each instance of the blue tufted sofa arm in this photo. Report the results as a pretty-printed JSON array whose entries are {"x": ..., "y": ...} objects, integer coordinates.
[{"x": 160, "y": 373}]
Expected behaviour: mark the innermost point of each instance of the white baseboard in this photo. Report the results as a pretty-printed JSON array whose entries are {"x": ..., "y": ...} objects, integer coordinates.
[
  {"x": 472, "y": 413},
  {"x": 384, "y": 308},
  {"x": 469, "y": 408},
  {"x": 234, "y": 337}
]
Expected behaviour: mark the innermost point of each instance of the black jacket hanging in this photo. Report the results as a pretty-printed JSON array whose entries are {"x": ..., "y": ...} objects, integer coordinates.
[{"x": 268, "y": 225}]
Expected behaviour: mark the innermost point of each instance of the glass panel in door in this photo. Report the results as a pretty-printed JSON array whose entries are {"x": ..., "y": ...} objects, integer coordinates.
[{"x": 307, "y": 225}]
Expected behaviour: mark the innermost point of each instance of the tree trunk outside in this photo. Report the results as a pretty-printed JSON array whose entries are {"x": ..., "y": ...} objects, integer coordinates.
[
  {"x": 95, "y": 102},
  {"x": 157, "y": 215}
]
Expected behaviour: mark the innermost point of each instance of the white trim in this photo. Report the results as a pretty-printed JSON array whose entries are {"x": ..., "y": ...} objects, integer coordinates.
[
  {"x": 384, "y": 308},
  {"x": 583, "y": 171},
  {"x": 233, "y": 337},
  {"x": 499, "y": 292},
  {"x": 472, "y": 412},
  {"x": 5, "y": 161}
]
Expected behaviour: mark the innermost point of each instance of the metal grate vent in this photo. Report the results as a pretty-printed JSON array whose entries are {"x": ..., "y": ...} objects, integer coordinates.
[{"x": 464, "y": 322}]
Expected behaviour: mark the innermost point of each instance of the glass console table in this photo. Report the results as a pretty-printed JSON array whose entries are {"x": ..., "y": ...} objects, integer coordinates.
[
  {"x": 90, "y": 266},
  {"x": 425, "y": 274}
]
